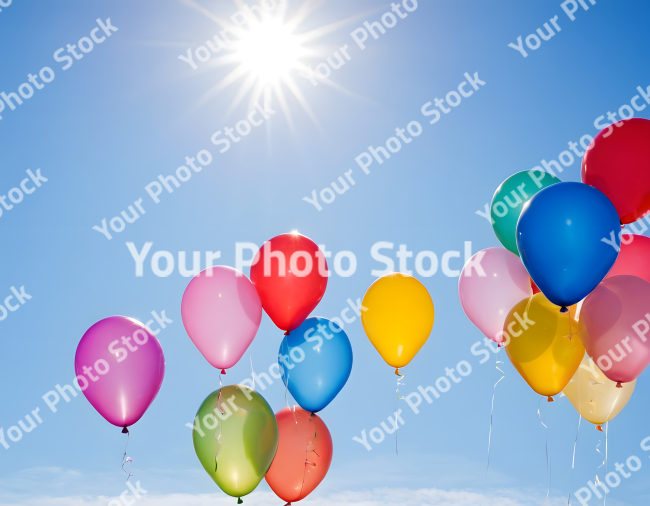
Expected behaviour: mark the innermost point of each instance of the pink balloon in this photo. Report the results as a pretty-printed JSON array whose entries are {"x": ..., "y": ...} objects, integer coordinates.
[
  {"x": 221, "y": 312},
  {"x": 120, "y": 367},
  {"x": 491, "y": 283},
  {"x": 614, "y": 327}
]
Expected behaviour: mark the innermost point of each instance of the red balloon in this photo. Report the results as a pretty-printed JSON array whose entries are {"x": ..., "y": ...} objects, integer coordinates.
[
  {"x": 534, "y": 286},
  {"x": 634, "y": 258},
  {"x": 290, "y": 274},
  {"x": 618, "y": 164},
  {"x": 304, "y": 454}
]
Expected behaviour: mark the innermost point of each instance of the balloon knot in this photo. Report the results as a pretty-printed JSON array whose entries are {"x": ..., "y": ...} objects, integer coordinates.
[
  {"x": 239, "y": 501},
  {"x": 397, "y": 373},
  {"x": 598, "y": 427},
  {"x": 564, "y": 309},
  {"x": 550, "y": 399},
  {"x": 619, "y": 385},
  {"x": 125, "y": 430},
  {"x": 223, "y": 371},
  {"x": 286, "y": 333},
  {"x": 499, "y": 345}
]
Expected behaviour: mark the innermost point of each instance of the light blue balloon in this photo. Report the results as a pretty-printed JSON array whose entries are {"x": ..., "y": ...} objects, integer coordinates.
[
  {"x": 315, "y": 361},
  {"x": 561, "y": 237}
]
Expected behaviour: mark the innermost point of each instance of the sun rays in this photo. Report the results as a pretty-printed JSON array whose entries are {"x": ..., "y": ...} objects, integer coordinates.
[{"x": 265, "y": 51}]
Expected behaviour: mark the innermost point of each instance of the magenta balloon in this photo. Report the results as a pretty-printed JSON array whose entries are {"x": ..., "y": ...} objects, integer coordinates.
[
  {"x": 221, "y": 312},
  {"x": 614, "y": 327},
  {"x": 491, "y": 283},
  {"x": 120, "y": 367}
]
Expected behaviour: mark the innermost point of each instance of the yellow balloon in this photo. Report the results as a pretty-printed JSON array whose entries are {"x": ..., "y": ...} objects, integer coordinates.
[
  {"x": 543, "y": 344},
  {"x": 594, "y": 395},
  {"x": 398, "y": 317}
]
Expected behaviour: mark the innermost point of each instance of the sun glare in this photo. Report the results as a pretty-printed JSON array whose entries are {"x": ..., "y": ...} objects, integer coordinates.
[
  {"x": 266, "y": 55},
  {"x": 269, "y": 51}
]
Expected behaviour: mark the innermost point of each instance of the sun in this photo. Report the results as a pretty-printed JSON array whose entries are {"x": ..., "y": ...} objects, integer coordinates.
[
  {"x": 269, "y": 52},
  {"x": 266, "y": 56}
]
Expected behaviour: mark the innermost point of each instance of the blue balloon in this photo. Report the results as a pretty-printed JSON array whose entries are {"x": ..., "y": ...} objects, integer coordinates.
[
  {"x": 560, "y": 240},
  {"x": 315, "y": 360}
]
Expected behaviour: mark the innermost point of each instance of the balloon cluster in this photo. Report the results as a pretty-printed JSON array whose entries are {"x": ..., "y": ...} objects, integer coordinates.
[
  {"x": 580, "y": 283},
  {"x": 237, "y": 437},
  {"x": 577, "y": 285},
  {"x": 239, "y": 441}
]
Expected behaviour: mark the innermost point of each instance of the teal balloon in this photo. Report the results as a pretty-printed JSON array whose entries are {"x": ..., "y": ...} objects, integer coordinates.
[{"x": 509, "y": 199}]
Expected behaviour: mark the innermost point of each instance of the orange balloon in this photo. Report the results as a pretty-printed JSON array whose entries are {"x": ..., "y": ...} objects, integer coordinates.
[{"x": 304, "y": 454}]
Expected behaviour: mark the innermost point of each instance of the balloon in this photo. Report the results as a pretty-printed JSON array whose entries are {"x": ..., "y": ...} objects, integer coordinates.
[
  {"x": 290, "y": 274},
  {"x": 120, "y": 367},
  {"x": 543, "y": 344},
  {"x": 244, "y": 422},
  {"x": 315, "y": 361},
  {"x": 614, "y": 324},
  {"x": 559, "y": 236},
  {"x": 594, "y": 395},
  {"x": 488, "y": 293},
  {"x": 534, "y": 286},
  {"x": 509, "y": 199},
  {"x": 221, "y": 313},
  {"x": 304, "y": 455},
  {"x": 618, "y": 164},
  {"x": 634, "y": 258},
  {"x": 397, "y": 317}
]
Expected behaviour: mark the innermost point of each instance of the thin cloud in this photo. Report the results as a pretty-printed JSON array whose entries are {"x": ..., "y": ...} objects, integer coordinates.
[{"x": 375, "y": 497}]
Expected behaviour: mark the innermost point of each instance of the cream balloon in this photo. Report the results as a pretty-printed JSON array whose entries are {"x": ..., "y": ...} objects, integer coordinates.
[{"x": 594, "y": 395}]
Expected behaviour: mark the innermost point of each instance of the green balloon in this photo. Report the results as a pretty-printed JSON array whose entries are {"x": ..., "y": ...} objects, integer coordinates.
[
  {"x": 509, "y": 199},
  {"x": 249, "y": 438}
]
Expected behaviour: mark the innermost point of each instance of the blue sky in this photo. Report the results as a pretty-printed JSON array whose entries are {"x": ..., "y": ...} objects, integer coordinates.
[{"x": 130, "y": 110}]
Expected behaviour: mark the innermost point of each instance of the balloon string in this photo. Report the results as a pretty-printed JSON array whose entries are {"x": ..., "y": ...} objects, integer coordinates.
[
  {"x": 219, "y": 398},
  {"x": 575, "y": 443},
  {"x": 126, "y": 459},
  {"x": 548, "y": 464},
  {"x": 395, "y": 413},
  {"x": 606, "y": 427},
  {"x": 307, "y": 463},
  {"x": 304, "y": 469},
  {"x": 599, "y": 442},
  {"x": 503, "y": 375},
  {"x": 571, "y": 332},
  {"x": 252, "y": 371},
  {"x": 218, "y": 437},
  {"x": 286, "y": 399},
  {"x": 614, "y": 404},
  {"x": 400, "y": 382},
  {"x": 603, "y": 463}
]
